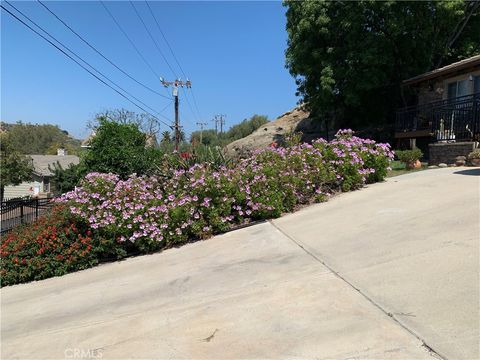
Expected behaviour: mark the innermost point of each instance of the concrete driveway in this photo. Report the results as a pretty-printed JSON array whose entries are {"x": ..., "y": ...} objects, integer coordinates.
[{"x": 388, "y": 272}]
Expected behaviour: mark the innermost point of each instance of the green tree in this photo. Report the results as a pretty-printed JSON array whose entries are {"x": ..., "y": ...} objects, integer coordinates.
[
  {"x": 64, "y": 180},
  {"x": 246, "y": 127},
  {"x": 166, "y": 137},
  {"x": 120, "y": 149},
  {"x": 211, "y": 138},
  {"x": 15, "y": 168},
  {"x": 349, "y": 58}
]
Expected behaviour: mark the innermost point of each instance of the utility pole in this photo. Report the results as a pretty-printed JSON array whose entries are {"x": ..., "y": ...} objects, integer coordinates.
[
  {"x": 175, "y": 84},
  {"x": 216, "y": 124},
  {"x": 220, "y": 118},
  {"x": 201, "y": 130}
]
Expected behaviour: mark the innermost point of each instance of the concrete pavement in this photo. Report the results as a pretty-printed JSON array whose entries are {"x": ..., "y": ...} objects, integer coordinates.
[
  {"x": 273, "y": 291},
  {"x": 410, "y": 244}
]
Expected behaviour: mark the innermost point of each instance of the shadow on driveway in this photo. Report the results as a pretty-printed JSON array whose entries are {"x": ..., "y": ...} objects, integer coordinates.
[{"x": 471, "y": 172}]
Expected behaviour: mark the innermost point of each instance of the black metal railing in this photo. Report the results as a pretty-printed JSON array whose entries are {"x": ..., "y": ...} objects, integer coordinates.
[
  {"x": 15, "y": 212},
  {"x": 445, "y": 120}
]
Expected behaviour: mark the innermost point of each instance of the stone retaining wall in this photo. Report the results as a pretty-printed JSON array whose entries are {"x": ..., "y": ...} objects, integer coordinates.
[{"x": 447, "y": 152}]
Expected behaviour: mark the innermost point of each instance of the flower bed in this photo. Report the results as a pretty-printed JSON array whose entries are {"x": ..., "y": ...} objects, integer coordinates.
[
  {"x": 144, "y": 214},
  {"x": 55, "y": 244}
]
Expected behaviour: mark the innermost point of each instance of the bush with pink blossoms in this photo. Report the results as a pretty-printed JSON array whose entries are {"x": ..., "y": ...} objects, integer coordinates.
[{"x": 148, "y": 213}]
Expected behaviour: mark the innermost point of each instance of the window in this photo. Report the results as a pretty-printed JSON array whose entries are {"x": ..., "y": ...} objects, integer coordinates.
[{"x": 457, "y": 88}]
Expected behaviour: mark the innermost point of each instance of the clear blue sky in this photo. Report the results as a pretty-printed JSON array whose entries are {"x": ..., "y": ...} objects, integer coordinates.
[{"x": 232, "y": 51}]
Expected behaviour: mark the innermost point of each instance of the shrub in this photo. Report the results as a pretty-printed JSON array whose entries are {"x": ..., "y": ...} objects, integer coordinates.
[
  {"x": 57, "y": 243},
  {"x": 183, "y": 204},
  {"x": 409, "y": 156},
  {"x": 475, "y": 154}
]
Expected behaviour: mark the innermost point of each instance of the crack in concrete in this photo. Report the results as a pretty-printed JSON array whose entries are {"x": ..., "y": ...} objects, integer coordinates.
[
  {"x": 429, "y": 349},
  {"x": 209, "y": 338}
]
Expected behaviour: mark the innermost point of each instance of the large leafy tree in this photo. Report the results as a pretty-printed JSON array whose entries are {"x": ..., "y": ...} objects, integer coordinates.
[
  {"x": 349, "y": 58},
  {"x": 15, "y": 167},
  {"x": 119, "y": 148}
]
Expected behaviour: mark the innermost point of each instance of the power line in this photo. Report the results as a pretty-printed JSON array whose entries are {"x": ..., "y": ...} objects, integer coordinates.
[
  {"x": 71, "y": 58},
  {"x": 130, "y": 40},
  {"x": 164, "y": 38},
  {"x": 195, "y": 103},
  {"x": 161, "y": 53},
  {"x": 174, "y": 57},
  {"x": 99, "y": 53},
  {"x": 153, "y": 39},
  {"x": 81, "y": 59}
]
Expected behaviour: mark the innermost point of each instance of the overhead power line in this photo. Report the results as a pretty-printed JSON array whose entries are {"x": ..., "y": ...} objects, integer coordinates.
[
  {"x": 157, "y": 76},
  {"x": 164, "y": 38},
  {"x": 99, "y": 53},
  {"x": 174, "y": 57},
  {"x": 153, "y": 39},
  {"x": 74, "y": 60},
  {"x": 82, "y": 60}
]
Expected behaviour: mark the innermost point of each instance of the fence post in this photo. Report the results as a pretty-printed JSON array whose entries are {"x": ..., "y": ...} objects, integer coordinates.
[
  {"x": 36, "y": 209},
  {"x": 21, "y": 214}
]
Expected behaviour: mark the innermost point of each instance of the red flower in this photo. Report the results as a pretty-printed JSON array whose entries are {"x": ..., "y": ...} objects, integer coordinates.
[{"x": 185, "y": 155}]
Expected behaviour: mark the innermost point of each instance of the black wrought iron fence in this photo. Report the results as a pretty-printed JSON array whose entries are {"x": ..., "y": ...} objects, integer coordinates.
[
  {"x": 451, "y": 119},
  {"x": 15, "y": 212}
]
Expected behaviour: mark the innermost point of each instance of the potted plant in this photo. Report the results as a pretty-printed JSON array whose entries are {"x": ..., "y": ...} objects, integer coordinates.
[
  {"x": 474, "y": 157},
  {"x": 411, "y": 158}
]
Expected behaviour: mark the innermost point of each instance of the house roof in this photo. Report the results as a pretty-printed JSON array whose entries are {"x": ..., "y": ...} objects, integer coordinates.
[
  {"x": 469, "y": 63},
  {"x": 41, "y": 162}
]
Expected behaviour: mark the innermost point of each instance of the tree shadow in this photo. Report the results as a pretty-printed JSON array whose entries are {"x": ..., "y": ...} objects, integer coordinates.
[{"x": 471, "y": 172}]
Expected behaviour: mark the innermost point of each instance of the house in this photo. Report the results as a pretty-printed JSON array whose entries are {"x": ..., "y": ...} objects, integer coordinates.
[
  {"x": 446, "y": 119},
  {"x": 40, "y": 183}
]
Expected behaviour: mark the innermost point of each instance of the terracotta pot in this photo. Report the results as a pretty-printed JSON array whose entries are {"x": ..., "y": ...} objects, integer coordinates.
[{"x": 414, "y": 164}]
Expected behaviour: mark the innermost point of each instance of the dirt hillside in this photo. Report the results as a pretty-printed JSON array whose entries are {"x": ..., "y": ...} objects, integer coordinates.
[{"x": 294, "y": 120}]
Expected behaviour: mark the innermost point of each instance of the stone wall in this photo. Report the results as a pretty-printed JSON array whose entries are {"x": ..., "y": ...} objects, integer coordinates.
[{"x": 447, "y": 152}]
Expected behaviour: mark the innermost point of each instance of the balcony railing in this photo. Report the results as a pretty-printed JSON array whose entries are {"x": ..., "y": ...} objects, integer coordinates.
[{"x": 455, "y": 119}]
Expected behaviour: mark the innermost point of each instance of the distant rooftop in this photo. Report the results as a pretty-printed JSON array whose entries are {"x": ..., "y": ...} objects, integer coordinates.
[
  {"x": 469, "y": 63},
  {"x": 41, "y": 162}
]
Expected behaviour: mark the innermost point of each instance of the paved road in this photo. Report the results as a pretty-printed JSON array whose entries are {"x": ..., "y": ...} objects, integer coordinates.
[{"x": 387, "y": 272}]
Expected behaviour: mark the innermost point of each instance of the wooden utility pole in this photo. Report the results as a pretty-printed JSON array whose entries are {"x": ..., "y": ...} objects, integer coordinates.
[
  {"x": 201, "y": 130},
  {"x": 175, "y": 84}
]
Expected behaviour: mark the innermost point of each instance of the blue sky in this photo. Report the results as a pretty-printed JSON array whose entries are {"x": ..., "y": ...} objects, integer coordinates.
[{"x": 232, "y": 51}]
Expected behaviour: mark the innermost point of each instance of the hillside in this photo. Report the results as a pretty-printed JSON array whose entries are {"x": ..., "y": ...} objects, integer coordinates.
[
  {"x": 40, "y": 139},
  {"x": 294, "y": 120}
]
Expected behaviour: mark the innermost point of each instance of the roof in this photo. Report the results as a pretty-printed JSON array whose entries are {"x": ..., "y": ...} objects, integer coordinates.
[
  {"x": 469, "y": 63},
  {"x": 41, "y": 162}
]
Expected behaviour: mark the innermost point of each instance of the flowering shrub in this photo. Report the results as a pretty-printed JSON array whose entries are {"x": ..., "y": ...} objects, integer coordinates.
[
  {"x": 147, "y": 213},
  {"x": 54, "y": 245}
]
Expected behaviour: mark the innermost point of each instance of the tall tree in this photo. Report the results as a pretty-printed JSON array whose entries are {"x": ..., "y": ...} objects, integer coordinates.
[{"x": 349, "y": 58}]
